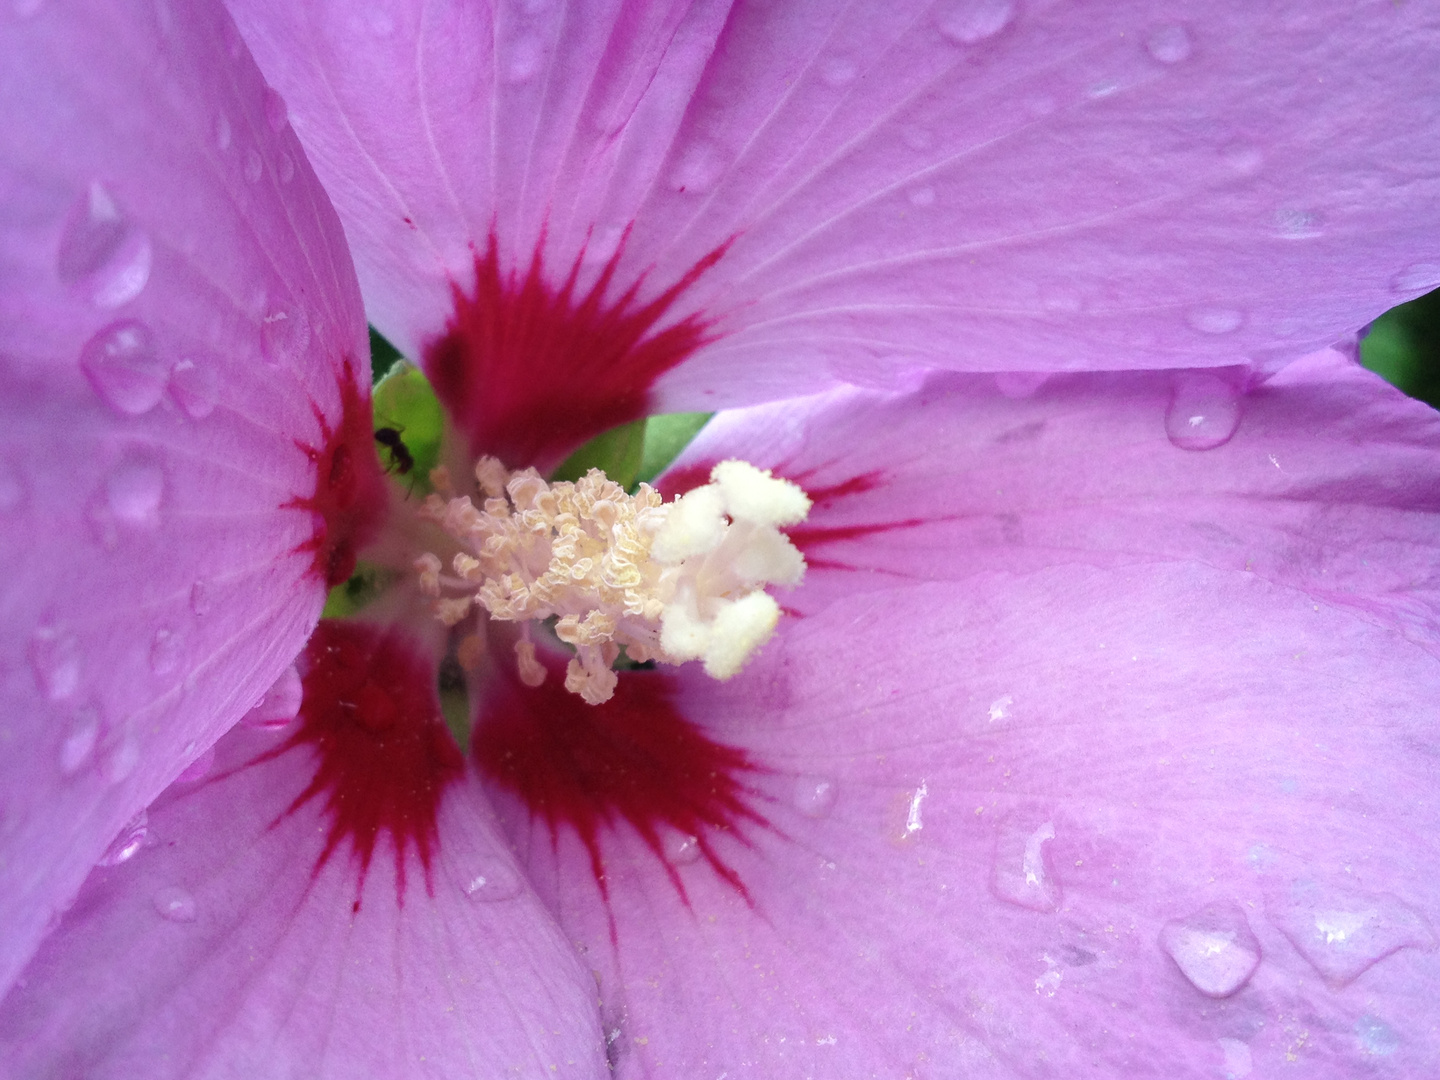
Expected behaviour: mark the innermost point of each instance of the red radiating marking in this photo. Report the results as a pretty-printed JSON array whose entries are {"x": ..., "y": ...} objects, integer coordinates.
[
  {"x": 529, "y": 371},
  {"x": 383, "y": 754},
  {"x": 635, "y": 759},
  {"x": 349, "y": 494}
]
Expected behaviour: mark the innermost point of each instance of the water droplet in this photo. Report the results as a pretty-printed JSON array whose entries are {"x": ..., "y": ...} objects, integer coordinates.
[
  {"x": 202, "y": 597},
  {"x": 198, "y": 769},
  {"x": 698, "y": 169},
  {"x": 1204, "y": 411},
  {"x": 1238, "y": 1059},
  {"x": 1294, "y": 223},
  {"x": 924, "y": 196},
  {"x": 1417, "y": 278},
  {"x": 78, "y": 746},
  {"x": 814, "y": 795},
  {"x": 101, "y": 251},
  {"x": 134, "y": 836},
  {"x": 223, "y": 134},
  {"x": 1214, "y": 948},
  {"x": 524, "y": 60},
  {"x": 120, "y": 761},
  {"x": 55, "y": 662},
  {"x": 838, "y": 71},
  {"x": 1375, "y": 1036},
  {"x": 254, "y": 166},
  {"x": 1000, "y": 708},
  {"x": 1019, "y": 385},
  {"x": 165, "y": 651},
  {"x": 284, "y": 336},
  {"x": 286, "y": 168},
  {"x": 276, "y": 115},
  {"x": 681, "y": 849},
  {"x": 122, "y": 367},
  {"x": 1343, "y": 934},
  {"x": 280, "y": 703},
  {"x": 174, "y": 903},
  {"x": 133, "y": 492},
  {"x": 1021, "y": 873},
  {"x": 973, "y": 21},
  {"x": 1243, "y": 158},
  {"x": 1169, "y": 44},
  {"x": 195, "y": 388},
  {"x": 498, "y": 882},
  {"x": 1215, "y": 320}
]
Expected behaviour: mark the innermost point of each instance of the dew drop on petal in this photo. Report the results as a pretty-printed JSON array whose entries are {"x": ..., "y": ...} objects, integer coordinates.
[
  {"x": 922, "y": 197},
  {"x": 133, "y": 492},
  {"x": 202, "y": 597},
  {"x": 1214, "y": 948},
  {"x": 1343, "y": 934},
  {"x": 195, "y": 388},
  {"x": 121, "y": 364},
  {"x": 494, "y": 883},
  {"x": 1169, "y": 44},
  {"x": 55, "y": 662},
  {"x": 1417, "y": 278},
  {"x": 165, "y": 651},
  {"x": 78, "y": 746},
  {"x": 1021, "y": 873},
  {"x": 1375, "y": 1037},
  {"x": 134, "y": 836},
  {"x": 120, "y": 760},
  {"x": 174, "y": 903},
  {"x": 284, "y": 336},
  {"x": 281, "y": 702},
  {"x": 254, "y": 166},
  {"x": 198, "y": 769},
  {"x": 1215, "y": 320},
  {"x": 814, "y": 795},
  {"x": 276, "y": 115},
  {"x": 1204, "y": 411},
  {"x": 523, "y": 61},
  {"x": 102, "y": 252},
  {"x": 681, "y": 849},
  {"x": 972, "y": 21},
  {"x": 838, "y": 71}
]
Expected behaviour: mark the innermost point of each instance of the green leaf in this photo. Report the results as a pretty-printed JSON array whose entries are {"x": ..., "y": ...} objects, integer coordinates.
[
  {"x": 617, "y": 451},
  {"x": 406, "y": 404},
  {"x": 363, "y": 586},
  {"x": 665, "y": 437},
  {"x": 383, "y": 355}
]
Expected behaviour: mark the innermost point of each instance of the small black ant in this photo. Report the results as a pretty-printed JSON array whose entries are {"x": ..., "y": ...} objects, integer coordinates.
[{"x": 400, "y": 456}]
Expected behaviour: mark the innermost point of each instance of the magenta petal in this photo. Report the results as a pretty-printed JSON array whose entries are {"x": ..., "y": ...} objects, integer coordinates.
[
  {"x": 225, "y": 947},
  {"x": 180, "y": 342},
  {"x": 982, "y": 184},
  {"x": 1145, "y": 821}
]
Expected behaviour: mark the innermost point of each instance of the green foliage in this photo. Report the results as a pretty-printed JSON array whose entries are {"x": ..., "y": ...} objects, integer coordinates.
[
  {"x": 1403, "y": 347},
  {"x": 405, "y": 403}
]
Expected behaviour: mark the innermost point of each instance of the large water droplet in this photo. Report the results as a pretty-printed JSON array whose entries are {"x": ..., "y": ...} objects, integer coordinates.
[
  {"x": 1169, "y": 44},
  {"x": 1215, "y": 320},
  {"x": 1376, "y": 1037},
  {"x": 55, "y": 662},
  {"x": 123, "y": 369},
  {"x": 195, "y": 388},
  {"x": 1214, "y": 948},
  {"x": 1417, "y": 278},
  {"x": 1021, "y": 873},
  {"x": 133, "y": 492},
  {"x": 973, "y": 21},
  {"x": 1204, "y": 411},
  {"x": 280, "y": 704},
  {"x": 276, "y": 115},
  {"x": 166, "y": 649},
  {"x": 497, "y": 882},
  {"x": 814, "y": 795},
  {"x": 1298, "y": 223},
  {"x": 1343, "y": 934},
  {"x": 101, "y": 251},
  {"x": 134, "y": 836},
  {"x": 174, "y": 903},
  {"x": 254, "y": 166},
  {"x": 284, "y": 336},
  {"x": 78, "y": 746}
]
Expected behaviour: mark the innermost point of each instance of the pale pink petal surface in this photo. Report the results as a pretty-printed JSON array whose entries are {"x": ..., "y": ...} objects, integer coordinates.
[
  {"x": 221, "y": 950},
  {"x": 978, "y": 184},
  {"x": 1106, "y": 800},
  {"x": 177, "y": 311}
]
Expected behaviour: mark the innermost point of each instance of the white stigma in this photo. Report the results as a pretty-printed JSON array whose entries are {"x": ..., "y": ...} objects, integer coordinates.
[{"x": 670, "y": 583}]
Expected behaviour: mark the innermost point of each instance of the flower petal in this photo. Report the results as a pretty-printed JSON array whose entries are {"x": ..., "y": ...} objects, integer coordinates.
[
  {"x": 976, "y": 184},
  {"x": 1148, "y": 820},
  {"x": 1320, "y": 478},
  {"x": 232, "y": 947},
  {"x": 181, "y": 345}
]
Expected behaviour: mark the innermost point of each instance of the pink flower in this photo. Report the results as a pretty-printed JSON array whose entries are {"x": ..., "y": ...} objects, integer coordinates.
[{"x": 1101, "y": 736}]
